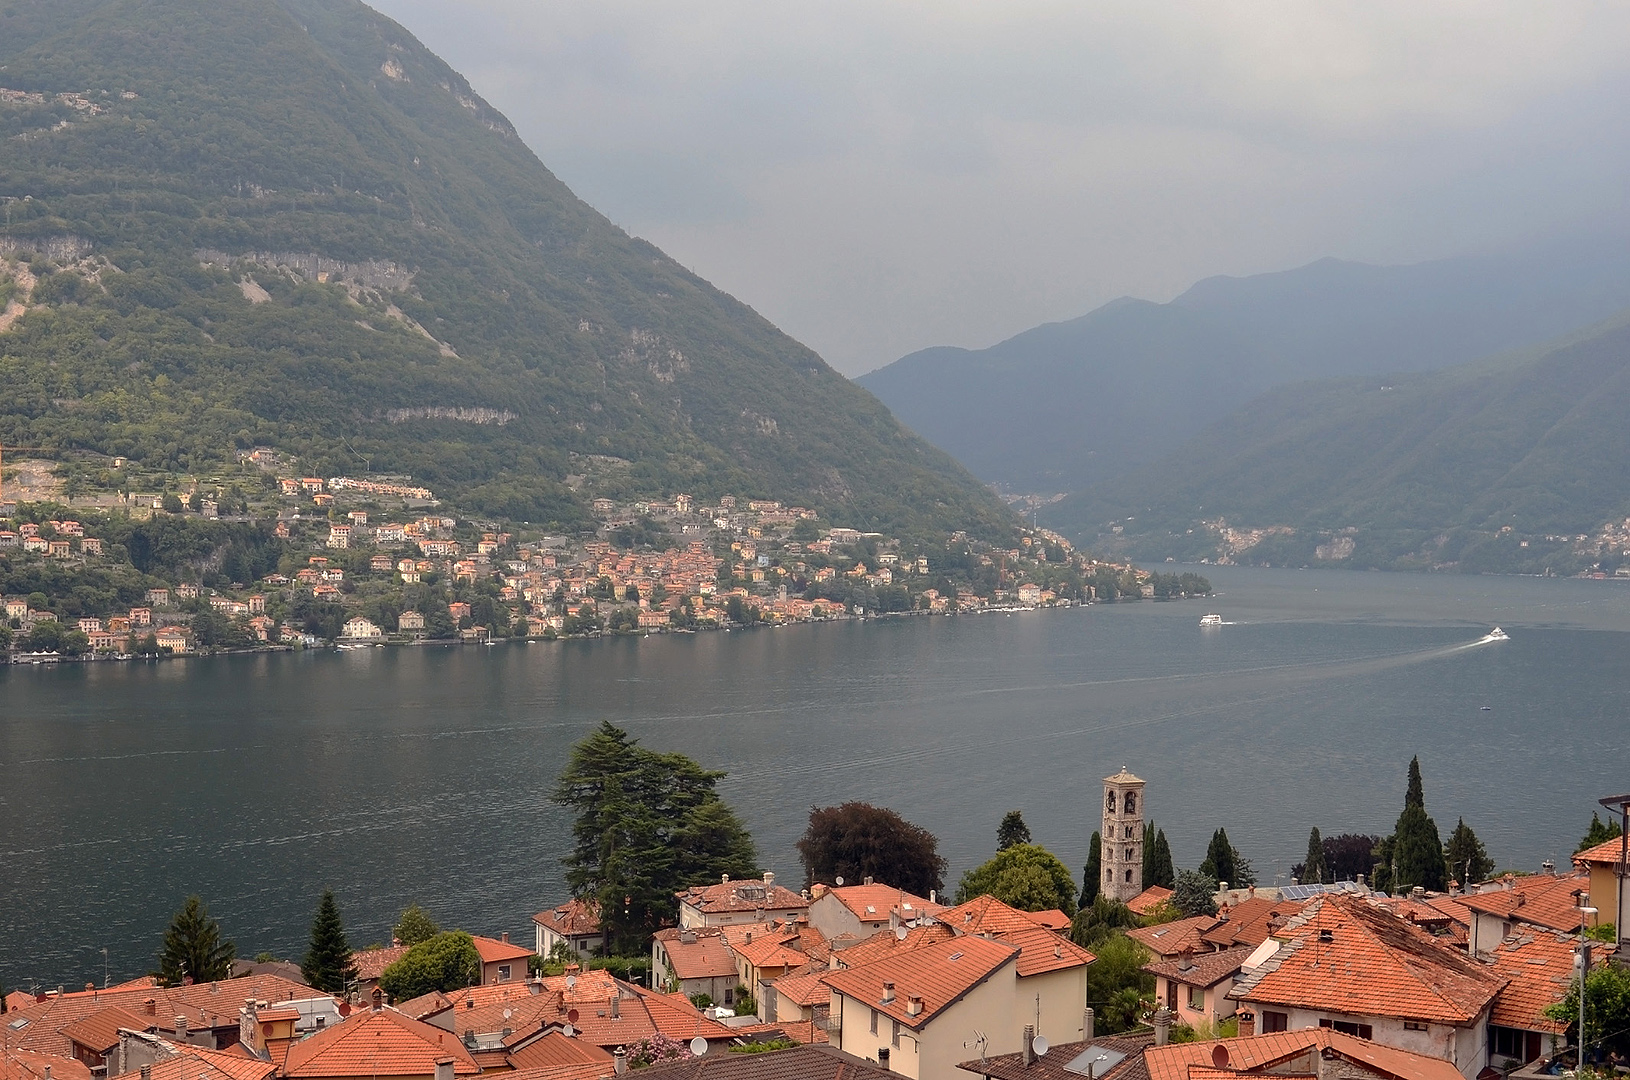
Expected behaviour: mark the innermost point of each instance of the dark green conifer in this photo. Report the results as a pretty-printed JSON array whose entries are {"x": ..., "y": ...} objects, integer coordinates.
[
  {"x": 1219, "y": 862},
  {"x": 1012, "y": 831},
  {"x": 328, "y": 966},
  {"x": 1313, "y": 868},
  {"x": 1416, "y": 854},
  {"x": 1600, "y": 832},
  {"x": 1468, "y": 860},
  {"x": 1091, "y": 877},
  {"x": 193, "y": 948}
]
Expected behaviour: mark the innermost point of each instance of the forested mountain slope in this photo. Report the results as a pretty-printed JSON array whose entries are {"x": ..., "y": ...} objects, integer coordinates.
[
  {"x": 1070, "y": 404},
  {"x": 233, "y": 223},
  {"x": 1520, "y": 462}
]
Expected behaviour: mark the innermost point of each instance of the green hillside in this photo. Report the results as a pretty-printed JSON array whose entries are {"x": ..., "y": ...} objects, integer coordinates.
[
  {"x": 242, "y": 223},
  {"x": 1518, "y": 463}
]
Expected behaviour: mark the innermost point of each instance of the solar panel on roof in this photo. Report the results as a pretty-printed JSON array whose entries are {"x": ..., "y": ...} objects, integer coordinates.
[{"x": 1095, "y": 1061}]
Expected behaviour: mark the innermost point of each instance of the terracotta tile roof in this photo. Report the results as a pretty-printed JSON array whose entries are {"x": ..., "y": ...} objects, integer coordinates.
[
  {"x": 582, "y": 1070},
  {"x": 574, "y": 918},
  {"x": 770, "y": 953},
  {"x": 490, "y": 1015},
  {"x": 18, "y": 1000},
  {"x": 426, "y": 1005},
  {"x": 141, "y": 982},
  {"x": 1169, "y": 939},
  {"x": 986, "y": 915},
  {"x": 884, "y": 944},
  {"x": 940, "y": 974},
  {"x": 494, "y": 951},
  {"x": 1205, "y": 969},
  {"x": 1249, "y": 922},
  {"x": 26, "y": 1065},
  {"x": 204, "y": 1005},
  {"x": 196, "y": 1063},
  {"x": 1041, "y": 951},
  {"x": 806, "y": 988},
  {"x": 555, "y": 1048},
  {"x": 1052, "y": 1066},
  {"x": 1603, "y": 854},
  {"x": 1259, "y": 1053},
  {"x": 1343, "y": 954},
  {"x": 1452, "y": 907},
  {"x": 871, "y": 903},
  {"x": 707, "y": 957},
  {"x": 1149, "y": 899},
  {"x": 746, "y": 895},
  {"x": 1546, "y": 900},
  {"x": 99, "y": 1031},
  {"x": 377, "y": 1043},
  {"x": 371, "y": 963},
  {"x": 1052, "y": 919},
  {"x": 798, "y": 1063},
  {"x": 1540, "y": 967}
]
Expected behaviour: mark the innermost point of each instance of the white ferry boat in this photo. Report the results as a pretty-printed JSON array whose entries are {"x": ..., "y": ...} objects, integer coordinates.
[
  {"x": 1497, "y": 635},
  {"x": 1211, "y": 619}
]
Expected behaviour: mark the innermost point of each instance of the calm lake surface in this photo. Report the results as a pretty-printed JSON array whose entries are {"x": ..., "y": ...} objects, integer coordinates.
[{"x": 422, "y": 775}]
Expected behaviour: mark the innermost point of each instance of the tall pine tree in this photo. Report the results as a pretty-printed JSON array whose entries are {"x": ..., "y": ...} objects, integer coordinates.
[
  {"x": 1219, "y": 863},
  {"x": 1012, "y": 831},
  {"x": 1600, "y": 832},
  {"x": 1157, "y": 858},
  {"x": 1415, "y": 854},
  {"x": 194, "y": 950},
  {"x": 1468, "y": 860},
  {"x": 1092, "y": 876},
  {"x": 328, "y": 966},
  {"x": 1314, "y": 871}
]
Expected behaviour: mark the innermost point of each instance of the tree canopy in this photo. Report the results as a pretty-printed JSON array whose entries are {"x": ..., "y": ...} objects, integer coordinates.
[
  {"x": 648, "y": 825},
  {"x": 856, "y": 841},
  {"x": 1025, "y": 876},
  {"x": 1195, "y": 893},
  {"x": 194, "y": 948},
  {"x": 1012, "y": 831},
  {"x": 1468, "y": 861},
  {"x": 1413, "y": 854},
  {"x": 1313, "y": 871},
  {"x": 328, "y": 965},
  {"x": 1219, "y": 862},
  {"x": 415, "y": 925},
  {"x": 1092, "y": 875},
  {"x": 448, "y": 961},
  {"x": 1600, "y": 832},
  {"x": 1157, "y": 858}
]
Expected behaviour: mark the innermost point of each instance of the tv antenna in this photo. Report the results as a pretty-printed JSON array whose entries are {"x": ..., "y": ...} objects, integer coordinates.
[{"x": 979, "y": 1041}]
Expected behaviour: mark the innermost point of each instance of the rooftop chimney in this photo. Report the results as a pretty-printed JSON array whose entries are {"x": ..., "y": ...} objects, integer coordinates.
[
  {"x": 1162, "y": 1021},
  {"x": 914, "y": 1005},
  {"x": 1247, "y": 1023},
  {"x": 150, "y": 1006},
  {"x": 687, "y": 937},
  {"x": 181, "y": 1029},
  {"x": 444, "y": 1068},
  {"x": 1029, "y": 1049},
  {"x": 90, "y": 987},
  {"x": 769, "y": 877},
  {"x": 616, "y": 1007},
  {"x": 503, "y": 935},
  {"x": 379, "y": 999},
  {"x": 146, "y": 1072},
  {"x": 619, "y": 1061},
  {"x": 1088, "y": 1023},
  {"x": 868, "y": 881},
  {"x": 1185, "y": 959},
  {"x": 888, "y": 993},
  {"x": 724, "y": 879}
]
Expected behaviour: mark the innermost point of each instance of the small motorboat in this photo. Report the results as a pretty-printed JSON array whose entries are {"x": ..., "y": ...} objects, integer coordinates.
[
  {"x": 1211, "y": 619},
  {"x": 1497, "y": 635}
]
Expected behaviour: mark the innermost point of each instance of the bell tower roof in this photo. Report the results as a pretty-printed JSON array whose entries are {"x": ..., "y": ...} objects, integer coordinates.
[{"x": 1122, "y": 777}]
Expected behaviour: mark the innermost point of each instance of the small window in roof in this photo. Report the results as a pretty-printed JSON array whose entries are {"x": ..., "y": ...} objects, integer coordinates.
[
  {"x": 18, "y": 1024},
  {"x": 870, "y": 910}
]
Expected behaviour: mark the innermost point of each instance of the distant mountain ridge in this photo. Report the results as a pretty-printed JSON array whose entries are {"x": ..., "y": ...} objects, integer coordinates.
[
  {"x": 1499, "y": 465},
  {"x": 292, "y": 222},
  {"x": 1072, "y": 404}
]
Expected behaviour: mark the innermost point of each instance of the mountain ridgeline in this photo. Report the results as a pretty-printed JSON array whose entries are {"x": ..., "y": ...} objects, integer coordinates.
[
  {"x": 1076, "y": 404},
  {"x": 1515, "y": 463},
  {"x": 233, "y": 223}
]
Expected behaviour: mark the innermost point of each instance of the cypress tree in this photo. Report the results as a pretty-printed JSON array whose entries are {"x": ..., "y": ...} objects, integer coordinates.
[
  {"x": 1600, "y": 832},
  {"x": 1467, "y": 858},
  {"x": 1148, "y": 854},
  {"x": 193, "y": 948},
  {"x": 1219, "y": 863},
  {"x": 1416, "y": 851},
  {"x": 1164, "y": 873},
  {"x": 1313, "y": 869},
  {"x": 1092, "y": 875},
  {"x": 328, "y": 966}
]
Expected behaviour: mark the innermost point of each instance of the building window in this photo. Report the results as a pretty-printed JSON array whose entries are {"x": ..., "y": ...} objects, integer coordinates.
[
  {"x": 1129, "y": 858},
  {"x": 1129, "y": 832},
  {"x": 1109, "y": 802},
  {"x": 1130, "y": 802},
  {"x": 1508, "y": 1043},
  {"x": 729, "y": 993},
  {"x": 1109, "y": 876},
  {"x": 1363, "y": 1031},
  {"x": 1129, "y": 877},
  {"x": 1275, "y": 1021},
  {"x": 1414, "y": 1025},
  {"x": 503, "y": 973},
  {"x": 1197, "y": 998},
  {"x": 896, "y": 1036},
  {"x": 874, "y": 1021}
]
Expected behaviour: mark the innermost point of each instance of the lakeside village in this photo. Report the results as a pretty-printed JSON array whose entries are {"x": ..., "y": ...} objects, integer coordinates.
[
  {"x": 356, "y": 563},
  {"x": 863, "y": 978}
]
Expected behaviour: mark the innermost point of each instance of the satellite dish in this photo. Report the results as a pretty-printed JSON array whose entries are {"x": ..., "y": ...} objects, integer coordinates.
[
  {"x": 568, "y": 1031},
  {"x": 698, "y": 1046},
  {"x": 571, "y": 1016},
  {"x": 571, "y": 981},
  {"x": 1039, "y": 1045},
  {"x": 838, "y": 880},
  {"x": 900, "y": 933},
  {"x": 508, "y": 1013}
]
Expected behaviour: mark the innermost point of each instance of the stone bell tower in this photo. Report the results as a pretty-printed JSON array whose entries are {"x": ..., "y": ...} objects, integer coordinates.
[{"x": 1122, "y": 851}]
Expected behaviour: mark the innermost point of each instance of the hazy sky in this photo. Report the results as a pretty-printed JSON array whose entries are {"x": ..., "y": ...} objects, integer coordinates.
[{"x": 878, "y": 177}]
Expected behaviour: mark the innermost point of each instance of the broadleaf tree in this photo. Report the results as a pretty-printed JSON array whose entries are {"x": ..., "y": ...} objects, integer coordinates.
[
  {"x": 1025, "y": 876},
  {"x": 856, "y": 840}
]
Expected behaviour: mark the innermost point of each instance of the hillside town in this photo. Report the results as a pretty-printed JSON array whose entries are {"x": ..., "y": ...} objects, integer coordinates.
[
  {"x": 864, "y": 979},
  {"x": 348, "y": 562}
]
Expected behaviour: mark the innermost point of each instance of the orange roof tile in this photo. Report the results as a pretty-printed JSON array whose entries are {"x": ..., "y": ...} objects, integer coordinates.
[
  {"x": 574, "y": 918},
  {"x": 1205, "y": 969},
  {"x": 381, "y": 1042},
  {"x": 884, "y": 943},
  {"x": 1344, "y": 954},
  {"x": 1041, "y": 951},
  {"x": 1169, "y": 939},
  {"x": 494, "y": 951},
  {"x": 1149, "y": 899},
  {"x": 748, "y": 894},
  {"x": 197, "y": 1063},
  {"x": 1052, "y": 919},
  {"x": 1603, "y": 854},
  {"x": 1249, "y": 922},
  {"x": 806, "y": 989},
  {"x": 555, "y": 1048},
  {"x": 706, "y": 957},
  {"x": 1258, "y": 1053},
  {"x": 871, "y": 903},
  {"x": 426, "y": 1005},
  {"x": 1540, "y": 966},
  {"x": 940, "y": 974},
  {"x": 26, "y": 1065},
  {"x": 1546, "y": 900},
  {"x": 986, "y": 915},
  {"x": 99, "y": 1031},
  {"x": 371, "y": 963},
  {"x": 794, "y": 1063}
]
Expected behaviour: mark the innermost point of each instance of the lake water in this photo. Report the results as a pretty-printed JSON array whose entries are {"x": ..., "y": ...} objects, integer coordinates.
[{"x": 421, "y": 775}]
